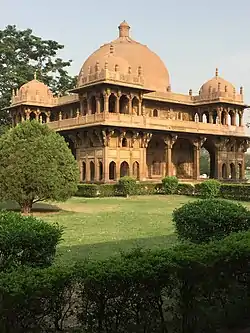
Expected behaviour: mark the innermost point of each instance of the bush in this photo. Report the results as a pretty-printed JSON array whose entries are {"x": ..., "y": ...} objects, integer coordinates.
[
  {"x": 210, "y": 219},
  {"x": 208, "y": 189},
  {"x": 88, "y": 190},
  {"x": 109, "y": 190},
  {"x": 170, "y": 184},
  {"x": 36, "y": 164},
  {"x": 26, "y": 241},
  {"x": 185, "y": 189},
  {"x": 127, "y": 186},
  {"x": 187, "y": 288},
  {"x": 235, "y": 191}
]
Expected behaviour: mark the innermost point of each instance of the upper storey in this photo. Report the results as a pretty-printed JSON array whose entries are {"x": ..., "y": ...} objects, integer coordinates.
[{"x": 125, "y": 60}]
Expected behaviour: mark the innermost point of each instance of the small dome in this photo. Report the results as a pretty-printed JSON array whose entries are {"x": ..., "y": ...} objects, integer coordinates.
[
  {"x": 217, "y": 85},
  {"x": 34, "y": 91},
  {"x": 131, "y": 58}
]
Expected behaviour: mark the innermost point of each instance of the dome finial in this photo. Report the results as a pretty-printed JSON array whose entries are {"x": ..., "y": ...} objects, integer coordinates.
[
  {"x": 124, "y": 29},
  {"x": 216, "y": 72}
]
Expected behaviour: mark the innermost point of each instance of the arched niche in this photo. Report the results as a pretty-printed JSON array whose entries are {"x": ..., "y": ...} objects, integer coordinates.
[
  {"x": 124, "y": 104},
  {"x": 112, "y": 170},
  {"x": 136, "y": 170},
  {"x": 124, "y": 169},
  {"x": 135, "y": 106},
  {"x": 183, "y": 158},
  {"x": 112, "y": 103}
]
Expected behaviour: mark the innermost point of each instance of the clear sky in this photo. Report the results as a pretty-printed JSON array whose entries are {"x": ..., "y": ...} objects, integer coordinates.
[{"x": 192, "y": 37}]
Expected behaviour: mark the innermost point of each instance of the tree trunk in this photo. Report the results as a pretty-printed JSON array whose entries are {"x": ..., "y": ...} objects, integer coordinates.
[{"x": 26, "y": 207}]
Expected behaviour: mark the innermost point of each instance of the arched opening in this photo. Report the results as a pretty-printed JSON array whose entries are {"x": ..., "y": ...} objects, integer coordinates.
[
  {"x": 155, "y": 113},
  {"x": 124, "y": 169},
  {"x": 156, "y": 168},
  {"x": 205, "y": 163},
  {"x": 124, "y": 104},
  {"x": 92, "y": 171},
  {"x": 84, "y": 107},
  {"x": 224, "y": 171},
  {"x": 240, "y": 171},
  {"x": 205, "y": 117},
  {"x": 112, "y": 103},
  {"x": 32, "y": 116},
  {"x": 53, "y": 116},
  {"x": 232, "y": 171},
  {"x": 83, "y": 171},
  {"x": 101, "y": 103},
  {"x": 112, "y": 170},
  {"x": 232, "y": 118},
  {"x": 196, "y": 117},
  {"x": 136, "y": 170},
  {"x": 207, "y": 160},
  {"x": 135, "y": 106},
  {"x": 124, "y": 142},
  {"x": 183, "y": 159},
  {"x": 214, "y": 116},
  {"x": 43, "y": 118},
  {"x": 223, "y": 118},
  {"x": 93, "y": 104},
  {"x": 100, "y": 170},
  {"x": 18, "y": 118},
  {"x": 156, "y": 157}
]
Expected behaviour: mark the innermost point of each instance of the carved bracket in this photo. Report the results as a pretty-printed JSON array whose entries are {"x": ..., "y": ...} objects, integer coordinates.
[{"x": 146, "y": 137}]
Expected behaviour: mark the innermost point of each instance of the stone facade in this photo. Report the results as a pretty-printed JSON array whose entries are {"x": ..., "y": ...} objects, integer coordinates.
[{"x": 123, "y": 118}]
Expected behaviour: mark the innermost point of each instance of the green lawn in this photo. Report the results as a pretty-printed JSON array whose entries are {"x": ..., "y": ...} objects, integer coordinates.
[{"x": 101, "y": 227}]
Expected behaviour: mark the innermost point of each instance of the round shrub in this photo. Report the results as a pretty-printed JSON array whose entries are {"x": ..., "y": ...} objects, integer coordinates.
[
  {"x": 127, "y": 186},
  {"x": 170, "y": 184},
  {"x": 27, "y": 241},
  {"x": 209, "y": 189},
  {"x": 210, "y": 219}
]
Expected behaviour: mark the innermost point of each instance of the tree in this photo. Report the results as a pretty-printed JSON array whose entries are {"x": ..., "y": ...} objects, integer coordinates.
[
  {"x": 21, "y": 55},
  {"x": 36, "y": 164}
]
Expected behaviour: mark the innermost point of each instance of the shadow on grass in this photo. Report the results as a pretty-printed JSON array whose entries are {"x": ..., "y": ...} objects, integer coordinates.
[
  {"x": 37, "y": 207},
  {"x": 70, "y": 254}
]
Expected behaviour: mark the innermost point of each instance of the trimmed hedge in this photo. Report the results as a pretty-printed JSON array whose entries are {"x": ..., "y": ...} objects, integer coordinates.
[
  {"x": 210, "y": 219},
  {"x": 26, "y": 240},
  {"x": 227, "y": 191},
  {"x": 170, "y": 184},
  {"x": 188, "y": 288}
]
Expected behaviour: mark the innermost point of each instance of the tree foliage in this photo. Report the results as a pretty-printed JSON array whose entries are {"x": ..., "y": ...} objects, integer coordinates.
[
  {"x": 21, "y": 55},
  {"x": 35, "y": 165}
]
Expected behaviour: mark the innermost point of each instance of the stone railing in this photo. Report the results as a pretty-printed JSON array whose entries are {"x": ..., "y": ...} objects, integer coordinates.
[
  {"x": 107, "y": 75},
  {"x": 149, "y": 123}
]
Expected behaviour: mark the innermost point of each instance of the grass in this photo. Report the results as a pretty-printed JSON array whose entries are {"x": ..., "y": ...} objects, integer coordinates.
[{"x": 100, "y": 227}]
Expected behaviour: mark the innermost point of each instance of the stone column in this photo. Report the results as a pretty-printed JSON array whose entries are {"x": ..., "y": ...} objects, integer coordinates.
[
  {"x": 196, "y": 162},
  {"x": 97, "y": 170},
  {"x": 210, "y": 120},
  {"x": 106, "y": 165},
  {"x": 87, "y": 169},
  {"x": 140, "y": 108},
  {"x": 168, "y": 159},
  {"x": 88, "y": 106},
  {"x": 130, "y": 105},
  {"x": 240, "y": 119},
  {"x": 98, "y": 105},
  {"x": 117, "y": 105}
]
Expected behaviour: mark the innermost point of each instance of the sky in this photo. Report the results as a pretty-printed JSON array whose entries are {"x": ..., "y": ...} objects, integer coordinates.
[{"x": 192, "y": 37}]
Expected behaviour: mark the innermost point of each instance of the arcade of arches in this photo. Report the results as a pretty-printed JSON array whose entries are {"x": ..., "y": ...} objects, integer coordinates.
[{"x": 106, "y": 155}]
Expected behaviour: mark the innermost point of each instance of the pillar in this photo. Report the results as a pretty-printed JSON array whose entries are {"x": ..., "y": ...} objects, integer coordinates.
[
  {"x": 117, "y": 104},
  {"x": 196, "y": 162},
  {"x": 129, "y": 105},
  {"x": 97, "y": 171},
  {"x": 88, "y": 106},
  {"x": 106, "y": 103},
  {"x": 106, "y": 165},
  {"x": 168, "y": 160},
  {"x": 87, "y": 170},
  {"x": 210, "y": 120},
  {"x": 240, "y": 119},
  {"x": 98, "y": 105},
  {"x": 140, "y": 108}
]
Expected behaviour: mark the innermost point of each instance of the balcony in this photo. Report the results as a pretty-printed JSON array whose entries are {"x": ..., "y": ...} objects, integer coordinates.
[{"x": 147, "y": 123}]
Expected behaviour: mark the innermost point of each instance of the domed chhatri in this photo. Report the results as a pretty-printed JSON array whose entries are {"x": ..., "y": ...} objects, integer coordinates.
[
  {"x": 129, "y": 56},
  {"x": 123, "y": 119},
  {"x": 217, "y": 85},
  {"x": 34, "y": 91}
]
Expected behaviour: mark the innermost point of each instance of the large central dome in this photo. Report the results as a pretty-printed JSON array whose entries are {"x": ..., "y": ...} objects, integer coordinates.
[{"x": 130, "y": 57}]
